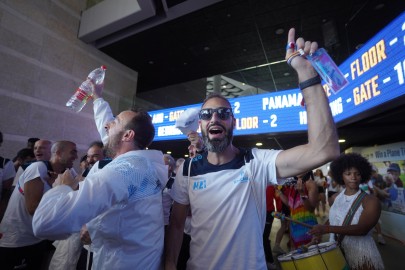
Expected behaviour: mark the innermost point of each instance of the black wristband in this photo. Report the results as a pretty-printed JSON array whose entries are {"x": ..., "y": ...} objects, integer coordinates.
[{"x": 310, "y": 82}]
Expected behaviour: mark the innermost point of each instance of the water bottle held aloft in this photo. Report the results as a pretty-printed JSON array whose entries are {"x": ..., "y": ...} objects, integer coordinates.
[{"x": 86, "y": 89}]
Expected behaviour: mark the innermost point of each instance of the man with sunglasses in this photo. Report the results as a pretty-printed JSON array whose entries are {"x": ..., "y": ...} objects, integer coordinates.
[{"x": 225, "y": 186}]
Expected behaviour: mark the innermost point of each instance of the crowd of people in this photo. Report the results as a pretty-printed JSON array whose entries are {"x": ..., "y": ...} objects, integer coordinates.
[{"x": 130, "y": 206}]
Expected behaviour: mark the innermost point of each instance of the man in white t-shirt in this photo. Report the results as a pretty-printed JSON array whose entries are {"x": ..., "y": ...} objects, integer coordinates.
[
  {"x": 225, "y": 186},
  {"x": 42, "y": 152},
  {"x": 18, "y": 240},
  {"x": 7, "y": 171}
]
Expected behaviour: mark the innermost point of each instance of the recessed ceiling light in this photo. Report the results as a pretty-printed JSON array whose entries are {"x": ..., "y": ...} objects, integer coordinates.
[
  {"x": 185, "y": 155},
  {"x": 342, "y": 140},
  {"x": 259, "y": 144},
  {"x": 169, "y": 152},
  {"x": 279, "y": 31}
]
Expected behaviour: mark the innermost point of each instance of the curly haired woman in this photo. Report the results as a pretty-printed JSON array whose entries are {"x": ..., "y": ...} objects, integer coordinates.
[{"x": 358, "y": 245}]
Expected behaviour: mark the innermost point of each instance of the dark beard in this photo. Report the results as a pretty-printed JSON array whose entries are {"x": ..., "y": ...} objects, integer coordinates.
[
  {"x": 109, "y": 152},
  {"x": 218, "y": 145},
  {"x": 113, "y": 144}
]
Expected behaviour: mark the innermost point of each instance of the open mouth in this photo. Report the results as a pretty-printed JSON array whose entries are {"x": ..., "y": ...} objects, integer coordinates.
[{"x": 215, "y": 131}]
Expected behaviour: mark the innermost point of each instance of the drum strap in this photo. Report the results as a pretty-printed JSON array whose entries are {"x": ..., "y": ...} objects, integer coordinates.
[{"x": 350, "y": 214}]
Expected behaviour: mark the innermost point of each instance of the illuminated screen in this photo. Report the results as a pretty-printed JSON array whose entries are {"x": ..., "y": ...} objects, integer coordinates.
[{"x": 376, "y": 75}]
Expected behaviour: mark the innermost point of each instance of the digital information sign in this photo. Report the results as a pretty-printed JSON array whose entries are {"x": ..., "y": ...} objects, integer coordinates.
[{"x": 376, "y": 75}]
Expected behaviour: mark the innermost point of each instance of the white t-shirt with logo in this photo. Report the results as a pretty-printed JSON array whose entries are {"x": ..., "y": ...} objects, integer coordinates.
[{"x": 228, "y": 207}]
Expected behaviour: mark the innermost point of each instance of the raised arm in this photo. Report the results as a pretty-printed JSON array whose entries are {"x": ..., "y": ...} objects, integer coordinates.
[
  {"x": 102, "y": 112},
  {"x": 174, "y": 237},
  {"x": 322, "y": 145},
  {"x": 33, "y": 191}
]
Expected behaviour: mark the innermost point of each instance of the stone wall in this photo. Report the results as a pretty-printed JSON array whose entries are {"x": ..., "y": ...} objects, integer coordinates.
[{"x": 42, "y": 63}]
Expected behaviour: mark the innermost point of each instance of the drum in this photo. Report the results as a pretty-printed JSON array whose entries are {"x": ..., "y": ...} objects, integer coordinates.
[{"x": 325, "y": 256}]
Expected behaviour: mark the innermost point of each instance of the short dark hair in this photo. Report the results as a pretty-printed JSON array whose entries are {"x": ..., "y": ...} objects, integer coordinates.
[
  {"x": 305, "y": 177},
  {"x": 144, "y": 129},
  {"x": 216, "y": 95},
  {"x": 25, "y": 152},
  {"x": 96, "y": 143},
  {"x": 33, "y": 140},
  {"x": 347, "y": 161},
  {"x": 83, "y": 158}
]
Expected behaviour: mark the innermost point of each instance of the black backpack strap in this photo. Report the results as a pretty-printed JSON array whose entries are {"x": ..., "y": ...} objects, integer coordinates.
[
  {"x": 3, "y": 162},
  {"x": 25, "y": 165},
  {"x": 103, "y": 162}
]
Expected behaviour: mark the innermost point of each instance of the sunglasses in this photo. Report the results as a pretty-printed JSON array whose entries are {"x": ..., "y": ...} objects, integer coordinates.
[{"x": 223, "y": 113}]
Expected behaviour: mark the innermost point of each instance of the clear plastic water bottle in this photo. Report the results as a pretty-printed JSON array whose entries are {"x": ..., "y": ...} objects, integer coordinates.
[{"x": 85, "y": 90}]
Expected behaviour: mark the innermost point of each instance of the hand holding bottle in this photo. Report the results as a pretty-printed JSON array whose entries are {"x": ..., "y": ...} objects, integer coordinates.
[{"x": 86, "y": 90}]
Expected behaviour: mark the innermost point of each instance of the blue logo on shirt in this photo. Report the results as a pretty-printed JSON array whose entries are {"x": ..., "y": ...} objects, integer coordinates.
[
  {"x": 198, "y": 185},
  {"x": 242, "y": 179}
]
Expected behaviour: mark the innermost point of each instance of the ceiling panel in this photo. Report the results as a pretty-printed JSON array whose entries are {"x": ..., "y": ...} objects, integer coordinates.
[{"x": 234, "y": 35}]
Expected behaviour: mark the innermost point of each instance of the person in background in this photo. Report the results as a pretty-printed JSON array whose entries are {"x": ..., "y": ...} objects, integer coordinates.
[
  {"x": 333, "y": 188},
  {"x": 225, "y": 187},
  {"x": 285, "y": 211},
  {"x": 166, "y": 198},
  {"x": 95, "y": 153},
  {"x": 270, "y": 198},
  {"x": 70, "y": 253},
  {"x": 321, "y": 182},
  {"x": 302, "y": 200},
  {"x": 25, "y": 155},
  {"x": 179, "y": 162},
  {"x": 42, "y": 152},
  {"x": 184, "y": 254},
  {"x": 31, "y": 143},
  {"x": 393, "y": 173},
  {"x": 83, "y": 165},
  {"x": 379, "y": 187},
  {"x": 7, "y": 173},
  {"x": 18, "y": 241},
  {"x": 356, "y": 240}
]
